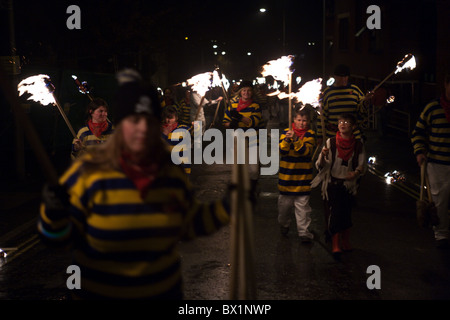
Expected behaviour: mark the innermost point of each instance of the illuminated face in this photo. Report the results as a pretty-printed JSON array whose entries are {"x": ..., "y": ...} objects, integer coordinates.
[
  {"x": 170, "y": 119},
  {"x": 341, "y": 81},
  {"x": 345, "y": 126},
  {"x": 99, "y": 115},
  {"x": 136, "y": 134},
  {"x": 246, "y": 93},
  {"x": 301, "y": 122}
]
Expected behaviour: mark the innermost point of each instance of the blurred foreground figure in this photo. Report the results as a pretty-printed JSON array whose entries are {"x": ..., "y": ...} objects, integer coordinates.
[{"x": 123, "y": 207}]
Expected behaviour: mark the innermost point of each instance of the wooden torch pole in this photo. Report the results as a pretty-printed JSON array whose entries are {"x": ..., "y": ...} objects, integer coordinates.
[
  {"x": 51, "y": 89},
  {"x": 242, "y": 253},
  {"x": 290, "y": 101}
]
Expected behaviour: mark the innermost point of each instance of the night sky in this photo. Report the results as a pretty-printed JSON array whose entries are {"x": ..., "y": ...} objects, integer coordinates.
[{"x": 123, "y": 28}]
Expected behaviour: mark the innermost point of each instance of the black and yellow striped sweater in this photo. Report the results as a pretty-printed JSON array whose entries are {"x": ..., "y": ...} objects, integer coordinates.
[
  {"x": 431, "y": 135},
  {"x": 176, "y": 140},
  {"x": 125, "y": 245},
  {"x": 296, "y": 167},
  {"x": 337, "y": 101},
  {"x": 88, "y": 139},
  {"x": 253, "y": 112}
]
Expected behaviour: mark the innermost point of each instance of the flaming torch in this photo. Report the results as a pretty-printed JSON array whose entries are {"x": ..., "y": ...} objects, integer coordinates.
[
  {"x": 309, "y": 93},
  {"x": 200, "y": 83},
  {"x": 42, "y": 90},
  {"x": 220, "y": 80},
  {"x": 82, "y": 86},
  {"x": 408, "y": 62},
  {"x": 280, "y": 69}
]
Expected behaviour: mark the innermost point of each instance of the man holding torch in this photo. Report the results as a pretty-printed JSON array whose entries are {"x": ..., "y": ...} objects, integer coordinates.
[{"x": 431, "y": 143}]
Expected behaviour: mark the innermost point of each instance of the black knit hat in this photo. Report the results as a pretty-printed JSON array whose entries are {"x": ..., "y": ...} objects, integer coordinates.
[
  {"x": 245, "y": 84},
  {"x": 135, "y": 97},
  {"x": 342, "y": 70}
]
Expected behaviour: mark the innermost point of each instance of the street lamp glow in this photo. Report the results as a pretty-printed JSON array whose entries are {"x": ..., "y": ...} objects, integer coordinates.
[
  {"x": 249, "y": 53},
  {"x": 223, "y": 53},
  {"x": 215, "y": 46},
  {"x": 262, "y": 10}
]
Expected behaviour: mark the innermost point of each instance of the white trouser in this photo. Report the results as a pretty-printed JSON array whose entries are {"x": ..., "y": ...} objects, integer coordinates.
[
  {"x": 439, "y": 176},
  {"x": 302, "y": 211}
]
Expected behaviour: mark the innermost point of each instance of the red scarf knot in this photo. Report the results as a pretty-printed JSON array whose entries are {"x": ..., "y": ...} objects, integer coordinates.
[
  {"x": 171, "y": 127},
  {"x": 243, "y": 104},
  {"x": 97, "y": 128},
  {"x": 300, "y": 133},
  {"x": 345, "y": 147},
  {"x": 142, "y": 175}
]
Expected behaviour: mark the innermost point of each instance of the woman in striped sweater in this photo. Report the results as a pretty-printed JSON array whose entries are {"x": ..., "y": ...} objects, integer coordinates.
[
  {"x": 431, "y": 142},
  {"x": 125, "y": 206},
  {"x": 97, "y": 129}
]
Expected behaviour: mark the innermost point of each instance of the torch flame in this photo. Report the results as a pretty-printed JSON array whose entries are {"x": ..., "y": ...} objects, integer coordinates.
[
  {"x": 37, "y": 86},
  {"x": 279, "y": 69},
  {"x": 408, "y": 62},
  {"x": 217, "y": 81},
  {"x": 309, "y": 93},
  {"x": 202, "y": 82}
]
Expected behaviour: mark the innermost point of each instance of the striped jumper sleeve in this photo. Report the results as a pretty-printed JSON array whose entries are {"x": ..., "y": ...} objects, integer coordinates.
[
  {"x": 126, "y": 245},
  {"x": 431, "y": 135}
]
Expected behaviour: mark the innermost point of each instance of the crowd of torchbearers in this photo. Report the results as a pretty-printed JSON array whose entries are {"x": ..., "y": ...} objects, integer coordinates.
[{"x": 123, "y": 204}]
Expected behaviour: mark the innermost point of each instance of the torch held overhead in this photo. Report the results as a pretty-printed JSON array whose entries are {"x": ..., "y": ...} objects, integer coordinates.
[{"x": 408, "y": 62}]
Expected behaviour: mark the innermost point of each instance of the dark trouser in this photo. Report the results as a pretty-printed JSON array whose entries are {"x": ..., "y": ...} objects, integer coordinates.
[{"x": 340, "y": 203}]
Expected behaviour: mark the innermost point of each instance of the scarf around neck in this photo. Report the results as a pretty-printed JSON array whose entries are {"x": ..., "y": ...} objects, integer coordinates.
[
  {"x": 97, "y": 128},
  {"x": 344, "y": 146},
  {"x": 172, "y": 126},
  {"x": 300, "y": 133},
  {"x": 142, "y": 175},
  {"x": 243, "y": 104},
  {"x": 446, "y": 106}
]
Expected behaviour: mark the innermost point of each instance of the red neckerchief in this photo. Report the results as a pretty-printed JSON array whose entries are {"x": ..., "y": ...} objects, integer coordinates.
[
  {"x": 141, "y": 175},
  {"x": 446, "y": 106},
  {"x": 97, "y": 128},
  {"x": 344, "y": 146},
  {"x": 299, "y": 132},
  {"x": 243, "y": 104},
  {"x": 171, "y": 126}
]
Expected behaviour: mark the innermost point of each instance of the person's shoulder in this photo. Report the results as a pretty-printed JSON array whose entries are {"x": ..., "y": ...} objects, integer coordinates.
[
  {"x": 83, "y": 129},
  {"x": 434, "y": 104},
  {"x": 355, "y": 87}
]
